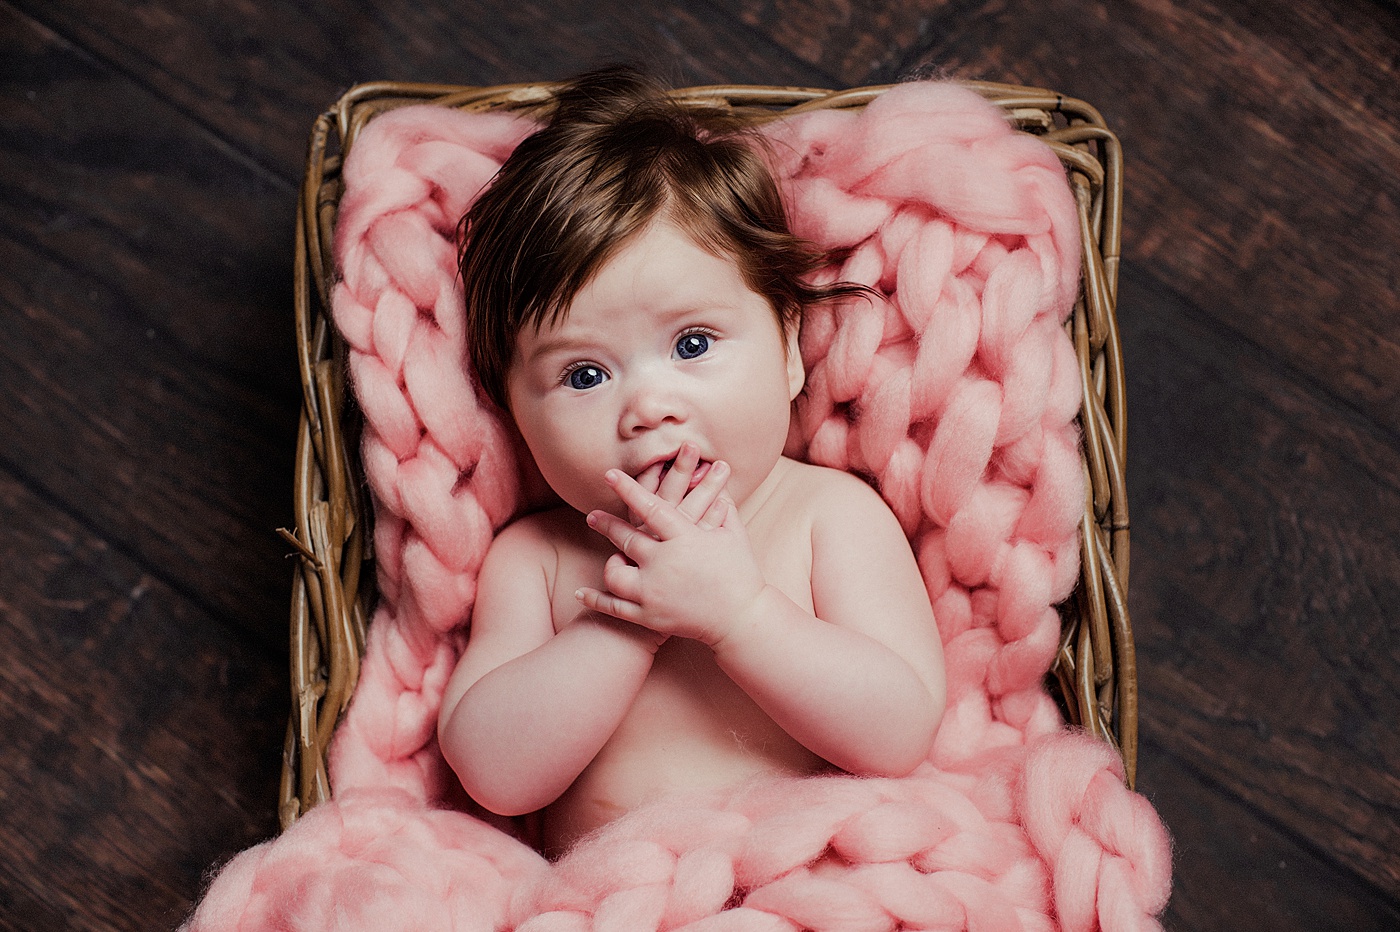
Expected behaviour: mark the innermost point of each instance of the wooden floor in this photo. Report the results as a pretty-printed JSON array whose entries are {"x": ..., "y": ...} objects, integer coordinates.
[{"x": 149, "y": 159}]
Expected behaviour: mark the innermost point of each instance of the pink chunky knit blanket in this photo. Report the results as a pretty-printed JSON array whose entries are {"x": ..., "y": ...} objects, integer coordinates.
[{"x": 956, "y": 394}]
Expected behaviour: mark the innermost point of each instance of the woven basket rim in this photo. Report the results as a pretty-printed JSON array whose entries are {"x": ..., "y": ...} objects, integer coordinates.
[{"x": 333, "y": 587}]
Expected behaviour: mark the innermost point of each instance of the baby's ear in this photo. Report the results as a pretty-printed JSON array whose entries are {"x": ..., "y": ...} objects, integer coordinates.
[{"x": 797, "y": 374}]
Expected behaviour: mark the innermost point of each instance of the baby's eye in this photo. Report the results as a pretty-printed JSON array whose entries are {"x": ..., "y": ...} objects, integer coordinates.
[
  {"x": 692, "y": 345},
  {"x": 585, "y": 376}
]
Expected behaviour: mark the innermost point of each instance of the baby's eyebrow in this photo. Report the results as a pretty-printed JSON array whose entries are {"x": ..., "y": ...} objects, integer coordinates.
[
  {"x": 563, "y": 344},
  {"x": 555, "y": 345}
]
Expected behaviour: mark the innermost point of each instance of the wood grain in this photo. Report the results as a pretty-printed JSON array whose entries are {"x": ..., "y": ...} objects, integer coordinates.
[
  {"x": 855, "y": 42},
  {"x": 141, "y": 736},
  {"x": 1265, "y": 519},
  {"x": 148, "y": 353},
  {"x": 1263, "y": 163},
  {"x": 151, "y": 153},
  {"x": 1237, "y": 869},
  {"x": 260, "y": 73}
]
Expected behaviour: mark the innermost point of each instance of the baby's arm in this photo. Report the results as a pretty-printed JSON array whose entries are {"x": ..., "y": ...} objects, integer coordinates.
[
  {"x": 860, "y": 682},
  {"x": 526, "y": 710}
]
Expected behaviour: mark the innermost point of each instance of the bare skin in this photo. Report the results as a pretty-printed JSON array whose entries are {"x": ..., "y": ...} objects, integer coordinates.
[{"x": 703, "y": 610}]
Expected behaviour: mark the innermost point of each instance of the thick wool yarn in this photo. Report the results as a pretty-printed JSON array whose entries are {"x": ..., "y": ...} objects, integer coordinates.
[{"x": 955, "y": 393}]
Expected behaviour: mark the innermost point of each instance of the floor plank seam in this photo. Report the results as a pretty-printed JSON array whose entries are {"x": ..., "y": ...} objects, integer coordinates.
[
  {"x": 268, "y": 173},
  {"x": 1221, "y": 790},
  {"x": 255, "y": 383},
  {"x": 912, "y": 65},
  {"x": 275, "y": 651},
  {"x": 1273, "y": 361},
  {"x": 830, "y": 80}
]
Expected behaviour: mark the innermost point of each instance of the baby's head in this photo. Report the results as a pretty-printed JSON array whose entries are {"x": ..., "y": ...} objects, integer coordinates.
[{"x": 617, "y": 155}]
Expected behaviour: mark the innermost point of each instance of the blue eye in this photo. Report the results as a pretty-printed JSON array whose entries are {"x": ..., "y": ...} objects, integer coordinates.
[
  {"x": 692, "y": 345},
  {"x": 585, "y": 377}
]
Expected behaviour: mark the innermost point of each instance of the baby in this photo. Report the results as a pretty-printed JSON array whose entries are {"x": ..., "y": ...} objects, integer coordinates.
[{"x": 701, "y": 609}]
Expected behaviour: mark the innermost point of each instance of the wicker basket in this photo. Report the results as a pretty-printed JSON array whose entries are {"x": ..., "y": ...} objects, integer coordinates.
[{"x": 1094, "y": 673}]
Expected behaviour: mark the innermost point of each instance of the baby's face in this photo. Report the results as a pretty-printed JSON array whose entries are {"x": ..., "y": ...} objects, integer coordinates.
[{"x": 666, "y": 344}]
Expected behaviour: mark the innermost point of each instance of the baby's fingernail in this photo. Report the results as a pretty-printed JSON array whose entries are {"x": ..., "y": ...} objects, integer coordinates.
[
  {"x": 578, "y": 594},
  {"x": 592, "y": 519}
]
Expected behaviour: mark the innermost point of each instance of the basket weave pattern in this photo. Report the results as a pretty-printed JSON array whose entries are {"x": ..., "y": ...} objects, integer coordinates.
[{"x": 333, "y": 590}]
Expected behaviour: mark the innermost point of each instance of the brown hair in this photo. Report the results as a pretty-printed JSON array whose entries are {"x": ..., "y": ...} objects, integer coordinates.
[{"x": 615, "y": 154}]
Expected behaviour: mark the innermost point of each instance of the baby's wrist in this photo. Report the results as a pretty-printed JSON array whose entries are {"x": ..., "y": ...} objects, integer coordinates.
[
  {"x": 638, "y": 635},
  {"x": 745, "y": 623},
  {"x": 642, "y": 636}
]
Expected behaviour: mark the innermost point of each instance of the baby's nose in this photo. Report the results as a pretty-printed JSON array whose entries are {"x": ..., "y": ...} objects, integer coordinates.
[{"x": 652, "y": 401}]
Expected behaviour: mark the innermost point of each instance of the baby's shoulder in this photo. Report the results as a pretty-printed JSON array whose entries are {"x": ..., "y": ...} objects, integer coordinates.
[
  {"x": 823, "y": 490},
  {"x": 851, "y": 524},
  {"x": 538, "y": 537}
]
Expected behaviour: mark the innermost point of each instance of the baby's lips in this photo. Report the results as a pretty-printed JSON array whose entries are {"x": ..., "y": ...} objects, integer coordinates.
[
  {"x": 700, "y": 472},
  {"x": 650, "y": 478}
]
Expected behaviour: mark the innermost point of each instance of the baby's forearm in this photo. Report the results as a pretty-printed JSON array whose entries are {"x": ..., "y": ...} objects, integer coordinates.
[
  {"x": 524, "y": 731},
  {"x": 840, "y": 693}
]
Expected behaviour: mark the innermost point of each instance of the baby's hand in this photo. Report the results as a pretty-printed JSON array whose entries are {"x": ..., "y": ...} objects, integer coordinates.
[
  {"x": 683, "y": 569},
  {"x": 671, "y": 484}
]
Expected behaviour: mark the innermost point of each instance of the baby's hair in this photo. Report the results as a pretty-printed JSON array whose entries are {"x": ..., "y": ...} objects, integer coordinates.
[{"x": 616, "y": 154}]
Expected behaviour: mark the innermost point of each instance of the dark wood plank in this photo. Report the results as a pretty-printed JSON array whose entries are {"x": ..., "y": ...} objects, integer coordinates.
[
  {"x": 190, "y": 233},
  {"x": 1265, "y": 520},
  {"x": 1236, "y": 870},
  {"x": 142, "y": 738},
  {"x": 148, "y": 357},
  {"x": 151, "y": 153},
  {"x": 856, "y": 42},
  {"x": 259, "y": 74},
  {"x": 1263, "y": 162}
]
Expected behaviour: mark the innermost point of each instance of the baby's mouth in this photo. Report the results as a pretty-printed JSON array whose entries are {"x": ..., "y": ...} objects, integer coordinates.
[{"x": 700, "y": 471}]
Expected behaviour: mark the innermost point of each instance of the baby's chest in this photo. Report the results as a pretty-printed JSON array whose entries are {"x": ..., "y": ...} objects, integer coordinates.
[{"x": 784, "y": 555}]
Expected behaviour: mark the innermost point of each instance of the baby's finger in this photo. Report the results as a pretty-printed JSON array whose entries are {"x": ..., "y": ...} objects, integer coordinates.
[
  {"x": 608, "y": 604},
  {"x": 622, "y": 579},
  {"x": 630, "y": 540},
  {"x": 677, "y": 478},
  {"x": 715, "y": 515},
  {"x": 650, "y": 478},
  {"x": 651, "y": 510},
  {"x": 730, "y": 518},
  {"x": 698, "y": 502}
]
